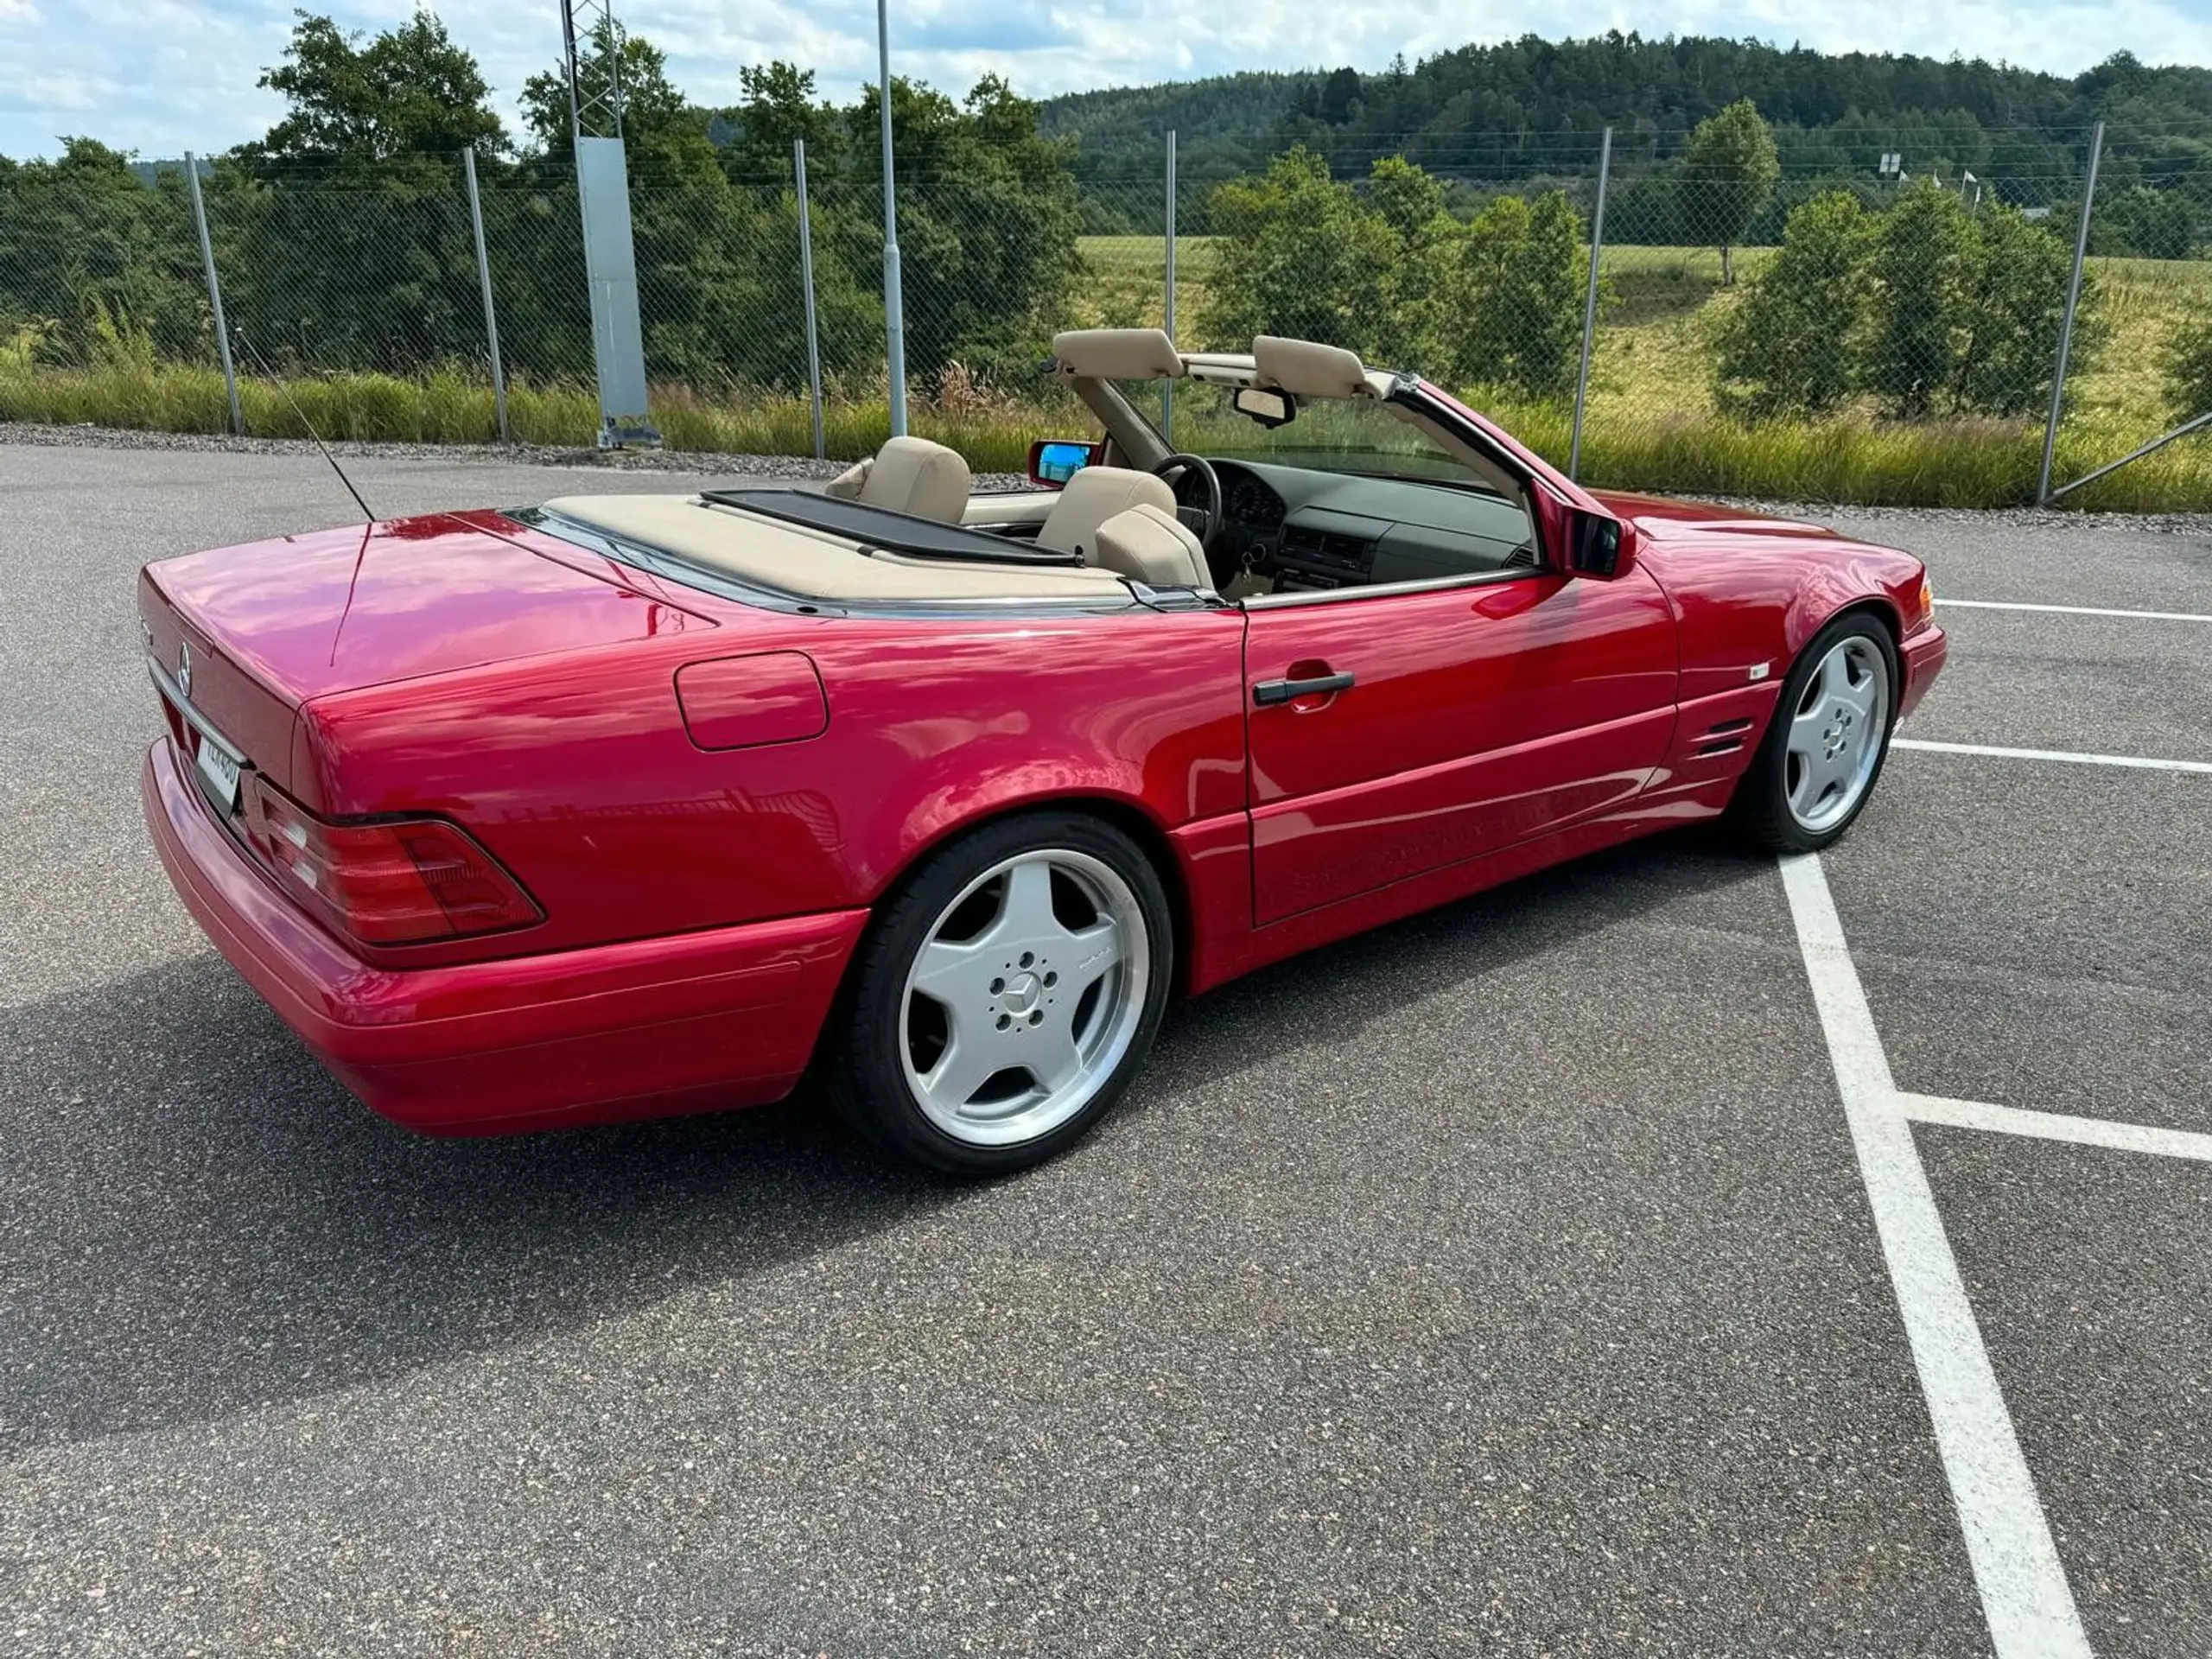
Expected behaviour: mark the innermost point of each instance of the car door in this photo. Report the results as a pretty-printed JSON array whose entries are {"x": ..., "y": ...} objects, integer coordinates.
[{"x": 1392, "y": 733}]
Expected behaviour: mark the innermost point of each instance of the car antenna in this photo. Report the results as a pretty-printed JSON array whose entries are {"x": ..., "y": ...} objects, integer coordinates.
[{"x": 270, "y": 374}]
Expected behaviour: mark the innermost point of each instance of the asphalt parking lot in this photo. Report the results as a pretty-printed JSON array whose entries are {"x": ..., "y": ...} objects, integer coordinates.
[{"x": 1665, "y": 1254}]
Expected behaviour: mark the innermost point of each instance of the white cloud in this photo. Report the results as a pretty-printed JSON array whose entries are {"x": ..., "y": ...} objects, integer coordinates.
[{"x": 163, "y": 75}]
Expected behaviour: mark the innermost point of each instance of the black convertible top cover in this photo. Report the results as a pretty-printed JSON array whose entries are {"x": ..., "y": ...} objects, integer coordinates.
[{"x": 894, "y": 532}]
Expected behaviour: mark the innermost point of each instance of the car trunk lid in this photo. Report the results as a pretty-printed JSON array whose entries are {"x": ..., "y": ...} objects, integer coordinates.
[{"x": 240, "y": 637}]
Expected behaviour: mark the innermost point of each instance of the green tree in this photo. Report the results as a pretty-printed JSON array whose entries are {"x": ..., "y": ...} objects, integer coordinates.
[
  {"x": 1419, "y": 286},
  {"x": 2012, "y": 307},
  {"x": 408, "y": 91},
  {"x": 1728, "y": 170},
  {"x": 988, "y": 220},
  {"x": 663, "y": 137},
  {"x": 1340, "y": 97},
  {"x": 2188, "y": 370},
  {"x": 2146, "y": 224},
  {"x": 340, "y": 232},
  {"x": 1922, "y": 259},
  {"x": 778, "y": 103},
  {"x": 1300, "y": 255},
  {"x": 1789, "y": 345},
  {"x": 1523, "y": 274},
  {"x": 87, "y": 240}
]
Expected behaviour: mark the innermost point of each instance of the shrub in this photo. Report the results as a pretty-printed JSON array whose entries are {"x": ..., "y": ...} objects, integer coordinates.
[
  {"x": 1523, "y": 276},
  {"x": 1302, "y": 256},
  {"x": 1390, "y": 275},
  {"x": 2012, "y": 307},
  {"x": 1927, "y": 308},
  {"x": 2188, "y": 370},
  {"x": 1919, "y": 269},
  {"x": 1788, "y": 346}
]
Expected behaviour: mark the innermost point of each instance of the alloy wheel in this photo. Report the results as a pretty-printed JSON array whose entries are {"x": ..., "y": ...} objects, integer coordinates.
[
  {"x": 1836, "y": 734},
  {"x": 1024, "y": 997}
]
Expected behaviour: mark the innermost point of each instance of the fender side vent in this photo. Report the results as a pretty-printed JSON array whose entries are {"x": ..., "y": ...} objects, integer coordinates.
[
  {"x": 1723, "y": 728},
  {"x": 1719, "y": 746}
]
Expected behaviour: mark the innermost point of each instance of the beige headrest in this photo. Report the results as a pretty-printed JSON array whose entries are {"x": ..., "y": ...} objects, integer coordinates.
[
  {"x": 1148, "y": 544},
  {"x": 1118, "y": 353},
  {"x": 1308, "y": 370},
  {"x": 914, "y": 475},
  {"x": 1093, "y": 496}
]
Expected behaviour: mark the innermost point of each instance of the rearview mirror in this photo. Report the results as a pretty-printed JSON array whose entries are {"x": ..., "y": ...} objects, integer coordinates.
[
  {"x": 1052, "y": 461},
  {"x": 1269, "y": 407},
  {"x": 1598, "y": 544}
]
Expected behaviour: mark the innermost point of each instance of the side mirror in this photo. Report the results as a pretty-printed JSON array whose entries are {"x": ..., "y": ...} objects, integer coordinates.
[
  {"x": 1052, "y": 461},
  {"x": 1266, "y": 406},
  {"x": 1598, "y": 544}
]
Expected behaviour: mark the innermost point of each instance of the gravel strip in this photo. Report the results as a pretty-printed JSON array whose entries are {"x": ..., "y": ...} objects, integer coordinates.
[{"x": 1822, "y": 513}]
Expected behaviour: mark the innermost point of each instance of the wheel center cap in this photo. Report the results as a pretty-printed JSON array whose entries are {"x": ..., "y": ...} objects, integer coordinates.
[
  {"x": 1021, "y": 994},
  {"x": 1838, "y": 733}
]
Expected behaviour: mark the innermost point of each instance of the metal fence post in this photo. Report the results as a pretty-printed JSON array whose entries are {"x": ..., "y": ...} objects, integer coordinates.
[
  {"x": 2066, "y": 328},
  {"x": 806, "y": 285},
  {"x": 1589, "y": 304},
  {"x": 484, "y": 275},
  {"x": 1167, "y": 387},
  {"x": 214, "y": 291},
  {"x": 894, "y": 299}
]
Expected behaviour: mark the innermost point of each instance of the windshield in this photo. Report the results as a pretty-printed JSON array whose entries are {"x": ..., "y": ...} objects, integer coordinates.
[{"x": 1355, "y": 435}]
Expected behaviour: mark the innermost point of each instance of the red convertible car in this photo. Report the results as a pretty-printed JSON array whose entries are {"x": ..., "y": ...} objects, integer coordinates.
[{"x": 628, "y": 805}]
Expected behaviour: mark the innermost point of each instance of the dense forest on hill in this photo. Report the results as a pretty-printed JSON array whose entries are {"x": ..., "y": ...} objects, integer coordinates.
[{"x": 1531, "y": 108}]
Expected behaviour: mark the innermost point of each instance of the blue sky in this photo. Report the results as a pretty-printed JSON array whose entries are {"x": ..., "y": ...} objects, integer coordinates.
[{"x": 161, "y": 76}]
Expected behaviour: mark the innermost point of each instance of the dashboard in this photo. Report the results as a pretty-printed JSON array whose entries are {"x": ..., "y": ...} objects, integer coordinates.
[{"x": 1312, "y": 530}]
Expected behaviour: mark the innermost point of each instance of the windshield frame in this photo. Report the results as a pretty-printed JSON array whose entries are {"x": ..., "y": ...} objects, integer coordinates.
[{"x": 1427, "y": 461}]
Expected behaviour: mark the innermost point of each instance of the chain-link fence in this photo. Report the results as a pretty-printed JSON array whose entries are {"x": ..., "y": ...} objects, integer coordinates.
[{"x": 1887, "y": 330}]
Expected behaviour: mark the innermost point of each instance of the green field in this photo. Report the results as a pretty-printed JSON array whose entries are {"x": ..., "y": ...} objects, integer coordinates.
[{"x": 1651, "y": 424}]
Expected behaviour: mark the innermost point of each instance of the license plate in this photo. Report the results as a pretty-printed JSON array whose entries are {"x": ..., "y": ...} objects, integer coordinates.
[{"x": 220, "y": 768}]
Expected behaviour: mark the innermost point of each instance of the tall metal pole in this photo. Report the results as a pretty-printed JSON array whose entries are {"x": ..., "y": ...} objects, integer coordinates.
[
  {"x": 2066, "y": 328},
  {"x": 806, "y": 285},
  {"x": 214, "y": 291},
  {"x": 1167, "y": 387},
  {"x": 568, "y": 56},
  {"x": 1589, "y": 305},
  {"x": 484, "y": 277},
  {"x": 894, "y": 304}
]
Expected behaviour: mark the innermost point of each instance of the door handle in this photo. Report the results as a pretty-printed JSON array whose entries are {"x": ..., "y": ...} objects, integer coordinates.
[{"x": 1268, "y": 692}]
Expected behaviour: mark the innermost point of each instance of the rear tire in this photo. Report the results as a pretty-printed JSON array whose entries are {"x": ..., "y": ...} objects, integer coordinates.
[
  {"x": 1825, "y": 745},
  {"x": 1003, "y": 998}
]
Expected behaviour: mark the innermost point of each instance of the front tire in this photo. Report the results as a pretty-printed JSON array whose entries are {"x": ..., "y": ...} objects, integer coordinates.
[
  {"x": 1005, "y": 997},
  {"x": 1825, "y": 745}
]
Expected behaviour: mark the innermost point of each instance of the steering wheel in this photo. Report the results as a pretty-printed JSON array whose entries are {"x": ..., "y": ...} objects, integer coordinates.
[{"x": 1205, "y": 523}]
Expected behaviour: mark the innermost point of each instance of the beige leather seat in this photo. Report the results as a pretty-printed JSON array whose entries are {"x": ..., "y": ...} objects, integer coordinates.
[
  {"x": 1149, "y": 545},
  {"x": 910, "y": 475},
  {"x": 1093, "y": 496}
]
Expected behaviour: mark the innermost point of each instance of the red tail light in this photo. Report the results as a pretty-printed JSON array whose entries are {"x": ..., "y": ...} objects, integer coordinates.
[{"x": 393, "y": 883}]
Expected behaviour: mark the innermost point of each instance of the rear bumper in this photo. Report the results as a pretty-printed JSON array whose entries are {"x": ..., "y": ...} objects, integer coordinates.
[
  {"x": 1925, "y": 654},
  {"x": 723, "y": 1017}
]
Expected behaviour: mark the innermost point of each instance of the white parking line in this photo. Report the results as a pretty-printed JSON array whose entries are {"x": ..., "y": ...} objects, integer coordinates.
[
  {"x": 2024, "y": 1597},
  {"x": 2068, "y": 610},
  {"x": 2068, "y": 756},
  {"x": 2056, "y": 1125}
]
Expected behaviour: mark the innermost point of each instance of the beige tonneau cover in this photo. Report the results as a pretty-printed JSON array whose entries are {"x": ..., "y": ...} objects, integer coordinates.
[{"x": 794, "y": 559}]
